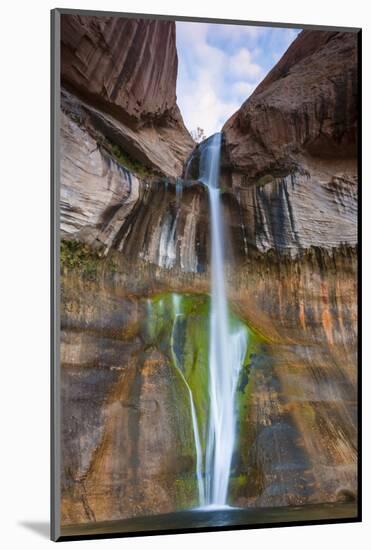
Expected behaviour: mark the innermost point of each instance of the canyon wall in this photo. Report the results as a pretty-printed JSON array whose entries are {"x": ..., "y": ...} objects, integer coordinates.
[
  {"x": 122, "y": 75},
  {"x": 290, "y": 155},
  {"x": 305, "y": 109},
  {"x": 135, "y": 231}
]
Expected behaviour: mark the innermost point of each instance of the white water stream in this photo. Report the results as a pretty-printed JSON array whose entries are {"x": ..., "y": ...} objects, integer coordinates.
[{"x": 227, "y": 347}]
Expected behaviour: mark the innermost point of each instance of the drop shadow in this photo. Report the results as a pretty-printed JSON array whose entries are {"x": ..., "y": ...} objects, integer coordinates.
[{"x": 42, "y": 528}]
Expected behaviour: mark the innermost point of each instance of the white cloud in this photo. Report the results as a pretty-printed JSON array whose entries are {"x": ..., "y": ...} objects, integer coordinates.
[
  {"x": 206, "y": 97},
  {"x": 220, "y": 66},
  {"x": 237, "y": 33},
  {"x": 243, "y": 89},
  {"x": 204, "y": 109},
  {"x": 241, "y": 65}
]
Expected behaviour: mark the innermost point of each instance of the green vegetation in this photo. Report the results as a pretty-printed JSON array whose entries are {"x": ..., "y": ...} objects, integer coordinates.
[
  {"x": 237, "y": 485},
  {"x": 244, "y": 386},
  {"x": 264, "y": 180},
  {"x": 78, "y": 256},
  {"x": 121, "y": 156},
  {"x": 128, "y": 162},
  {"x": 178, "y": 325},
  {"x": 76, "y": 118},
  {"x": 186, "y": 493}
]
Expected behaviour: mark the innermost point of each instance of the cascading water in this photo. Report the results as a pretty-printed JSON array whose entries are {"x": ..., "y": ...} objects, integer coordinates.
[
  {"x": 227, "y": 347},
  {"x": 213, "y": 404}
]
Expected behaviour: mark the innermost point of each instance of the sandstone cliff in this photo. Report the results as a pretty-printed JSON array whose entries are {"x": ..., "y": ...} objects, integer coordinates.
[
  {"x": 123, "y": 72},
  {"x": 290, "y": 150},
  {"x": 304, "y": 110}
]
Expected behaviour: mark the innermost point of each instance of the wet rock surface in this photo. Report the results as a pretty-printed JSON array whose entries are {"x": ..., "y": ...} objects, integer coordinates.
[{"x": 297, "y": 429}]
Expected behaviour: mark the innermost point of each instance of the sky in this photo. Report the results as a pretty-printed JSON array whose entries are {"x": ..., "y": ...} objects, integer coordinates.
[{"x": 220, "y": 66}]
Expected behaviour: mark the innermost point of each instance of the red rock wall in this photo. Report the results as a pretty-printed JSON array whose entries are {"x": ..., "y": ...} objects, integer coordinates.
[
  {"x": 129, "y": 64},
  {"x": 305, "y": 107}
]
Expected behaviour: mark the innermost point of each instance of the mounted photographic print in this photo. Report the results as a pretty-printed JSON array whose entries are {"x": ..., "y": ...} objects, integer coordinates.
[{"x": 204, "y": 283}]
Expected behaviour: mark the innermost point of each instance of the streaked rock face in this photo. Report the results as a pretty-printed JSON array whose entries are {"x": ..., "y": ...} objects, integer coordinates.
[
  {"x": 289, "y": 203},
  {"x": 124, "y": 73},
  {"x": 290, "y": 150},
  {"x": 306, "y": 108},
  {"x": 298, "y": 434},
  {"x": 297, "y": 212},
  {"x": 127, "y": 435},
  {"x": 91, "y": 183},
  {"x": 108, "y": 207},
  {"x": 129, "y": 65},
  {"x": 286, "y": 215}
]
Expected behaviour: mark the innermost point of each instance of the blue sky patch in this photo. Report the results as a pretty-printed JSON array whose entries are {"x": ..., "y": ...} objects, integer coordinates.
[{"x": 220, "y": 66}]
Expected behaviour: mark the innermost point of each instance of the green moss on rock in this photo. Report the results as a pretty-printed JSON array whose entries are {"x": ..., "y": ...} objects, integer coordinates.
[
  {"x": 128, "y": 162},
  {"x": 186, "y": 493},
  {"x": 178, "y": 326},
  {"x": 79, "y": 257},
  {"x": 264, "y": 180}
]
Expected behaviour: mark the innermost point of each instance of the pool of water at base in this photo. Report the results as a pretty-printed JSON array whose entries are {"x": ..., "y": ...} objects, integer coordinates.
[{"x": 225, "y": 517}]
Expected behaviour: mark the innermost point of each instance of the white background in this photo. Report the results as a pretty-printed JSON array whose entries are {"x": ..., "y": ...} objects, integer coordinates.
[{"x": 24, "y": 218}]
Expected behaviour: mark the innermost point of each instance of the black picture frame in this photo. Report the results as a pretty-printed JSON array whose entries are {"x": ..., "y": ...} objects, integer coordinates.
[{"x": 55, "y": 278}]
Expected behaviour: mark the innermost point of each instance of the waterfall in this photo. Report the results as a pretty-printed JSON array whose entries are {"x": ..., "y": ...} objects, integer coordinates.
[{"x": 227, "y": 347}]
